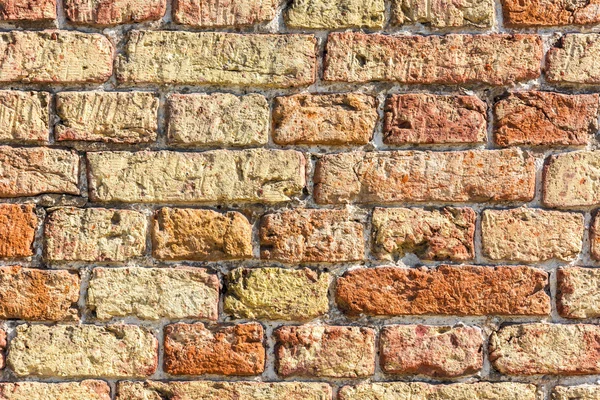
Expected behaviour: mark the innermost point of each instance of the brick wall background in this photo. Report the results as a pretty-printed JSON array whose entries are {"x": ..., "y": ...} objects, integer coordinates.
[{"x": 308, "y": 199}]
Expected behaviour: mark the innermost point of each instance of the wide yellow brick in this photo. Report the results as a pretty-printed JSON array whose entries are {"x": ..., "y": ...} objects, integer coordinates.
[
  {"x": 84, "y": 390},
  {"x": 336, "y": 14}
]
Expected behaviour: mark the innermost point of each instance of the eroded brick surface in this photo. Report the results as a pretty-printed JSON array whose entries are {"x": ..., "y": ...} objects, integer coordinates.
[
  {"x": 522, "y": 13},
  {"x": 27, "y": 10},
  {"x": 224, "y": 13},
  {"x": 84, "y": 390},
  {"x": 595, "y": 237},
  {"x": 572, "y": 180},
  {"x": 443, "y": 13},
  {"x": 581, "y": 392},
  {"x": 572, "y": 60},
  {"x": 102, "y": 12},
  {"x": 24, "y": 116},
  {"x": 578, "y": 292},
  {"x": 336, "y": 14},
  {"x": 18, "y": 224}
]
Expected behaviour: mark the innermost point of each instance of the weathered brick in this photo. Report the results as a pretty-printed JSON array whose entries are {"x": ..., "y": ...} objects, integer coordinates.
[
  {"x": 276, "y": 293},
  {"x": 436, "y": 351},
  {"x": 595, "y": 237},
  {"x": 38, "y": 170},
  {"x": 218, "y": 119},
  {"x": 332, "y": 119},
  {"x": 443, "y": 13},
  {"x": 325, "y": 351},
  {"x": 519, "y": 13},
  {"x": 2, "y": 349},
  {"x": 127, "y": 117},
  {"x": 578, "y": 292},
  {"x": 420, "y": 118},
  {"x": 24, "y": 116},
  {"x": 260, "y": 175},
  {"x": 38, "y": 295},
  {"x": 572, "y": 179},
  {"x": 581, "y": 392},
  {"x": 81, "y": 351},
  {"x": 304, "y": 235},
  {"x": 55, "y": 56},
  {"x": 27, "y": 10},
  {"x": 424, "y": 176},
  {"x": 94, "y": 234},
  {"x": 205, "y": 235},
  {"x": 18, "y": 224},
  {"x": 207, "y": 390},
  {"x": 85, "y": 390},
  {"x": 113, "y": 12},
  {"x": 546, "y": 349},
  {"x": 545, "y": 119},
  {"x": 154, "y": 293},
  {"x": 572, "y": 60},
  {"x": 446, "y": 234},
  {"x": 418, "y": 390},
  {"x": 445, "y": 290},
  {"x": 531, "y": 235},
  {"x": 495, "y": 59},
  {"x": 336, "y": 14},
  {"x": 224, "y": 13},
  {"x": 189, "y": 58},
  {"x": 193, "y": 349}
]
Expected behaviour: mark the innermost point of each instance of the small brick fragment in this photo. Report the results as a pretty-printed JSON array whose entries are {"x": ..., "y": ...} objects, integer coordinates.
[
  {"x": 325, "y": 351},
  {"x": 304, "y": 235},
  {"x": 435, "y": 351},
  {"x": 38, "y": 295},
  {"x": 27, "y": 10},
  {"x": 219, "y": 176},
  {"x": 525, "y": 13},
  {"x": 81, "y": 351},
  {"x": 581, "y": 392},
  {"x": 434, "y": 119},
  {"x": 207, "y": 390},
  {"x": 205, "y": 235},
  {"x": 446, "y": 234},
  {"x": 224, "y": 13},
  {"x": 94, "y": 234},
  {"x": 192, "y": 58},
  {"x": 218, "y": 119},
  {"x": 495, "y": 59},
  {"x": 595, "y": 237},
  {"x": 578, "y": 292},
  {"x": 572, "y": 60},
  {"x": 424, "y": 176},
  {"x": 38, "y": 170},
  {"x": 546, "y": 349},
  {"x": 443, "y": 13},
  {"x": 445, "y": 290},
  {"x": 84, "y": 390},
  {"x": 55, "y": 56},
  {"x": 335, "y": 14},
  {"x": 24, "y": 116},
  {"x": 531, "y": 235},
  {"x": 18, "y": 224},
  {"x": 114, "y": 12},
  {"x": 126, "y": 117},
  {"x": 418, "y": 390},
  {"x": 572, "y": 180},
  {"x": 154, "y": 293},
  {"x": 3, "y": 345},
  {"x": 193, "y": 349},
  {"x": 332, "y": 119},
  {"x": 276, "y": 293}
]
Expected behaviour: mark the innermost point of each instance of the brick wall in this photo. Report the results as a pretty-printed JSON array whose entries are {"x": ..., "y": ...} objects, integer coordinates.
[{"x": 299, "y": 200}]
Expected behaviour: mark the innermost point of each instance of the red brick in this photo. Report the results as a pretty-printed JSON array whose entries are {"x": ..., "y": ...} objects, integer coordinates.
[
  {"x": 545, "y": 119},
  {"x": 17, "y": 230},
  {"x": 193, "y": 349},
  {"x": 418, "y": 176},
  {"x": 27, "y": 10},
  {"x": 223, "y": 13},
  {"x": 495, "y": 59},
  {"x": 520, "y": 13},
  {"x": 325, "y": 351},
  {"x": 445, "y": 290},
  {"x": 432, "y": 119},
  {"x": 113, "y": 12},
  {"x": 2, "y": 348},
  {"x": 435, "y": 351}
]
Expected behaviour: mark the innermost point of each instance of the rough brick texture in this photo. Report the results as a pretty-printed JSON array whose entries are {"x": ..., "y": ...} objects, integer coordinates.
[
  {"x": 324, "y": 119},
  {"x": 453, "y": 59},
  {"x": 595, "y": 237},
  {"x": 443, "y": 13},
  {"x": 445, "y": 290},
  {"x": 154, "y": 293},
  {"x": 27, "y": 10},
  {"x": 434, "y": 119},
  {"x": 222, "y": 14},
  {"x": 573, "y": 59},
  {"x": 436, "y": 351},
  {"x": 193, "y": 349},
  {"x": 581, "y": 392},
  {"x": 446, "y": 234},
  {"x": 578, "y": 292},
  {"x": 519, "y": 13},
  {"x": 325, "y": 351},
  {"x": 305, "y": 235},
  {"x": 18, "y": 224},
  {"x": 545, "y": 119},
  {"x": 571, "y": 180},
  {"x": 24, "y": 116},
  {"x": 336, "y": 14},
  {"x": 418, "y": 176},
  {"x": 84, "y": 390},
  {"x": 113, "y": 12}
]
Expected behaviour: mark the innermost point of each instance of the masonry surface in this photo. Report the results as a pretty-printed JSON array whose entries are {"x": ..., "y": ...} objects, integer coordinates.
[{"x": 299, "y": 200}]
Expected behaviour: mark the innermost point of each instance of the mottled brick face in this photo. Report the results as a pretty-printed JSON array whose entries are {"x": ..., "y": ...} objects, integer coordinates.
[
  {"x": 113, "y": 12},
  {"x": 18, "y": 224},
  {"x": 219, "y": 13},
  {"x": 27, "y": 10}
]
